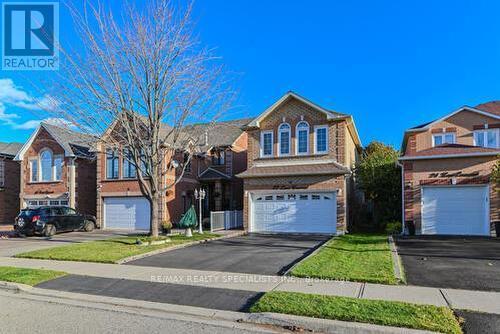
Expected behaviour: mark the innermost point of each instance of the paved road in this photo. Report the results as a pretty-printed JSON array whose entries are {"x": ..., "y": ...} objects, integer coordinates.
[
  {"x": 26, "y": 314},
  {"x": 451, "y": 262},
  {"x": 480, "y": 323},
  {"x": 12, "y": 246},
  {"x": 251, "y": 254}
]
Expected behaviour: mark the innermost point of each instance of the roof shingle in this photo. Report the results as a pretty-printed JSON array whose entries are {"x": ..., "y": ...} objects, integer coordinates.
[
  {"x": 452, "y": 149},
  {"x": 493, "y": 107},
  {"x": 294, "y": 170},
  {"x": 10, "y": 149}
]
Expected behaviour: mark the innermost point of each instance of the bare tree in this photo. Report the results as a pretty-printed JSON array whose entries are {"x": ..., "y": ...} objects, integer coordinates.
[{"x": 136, "y": 82}]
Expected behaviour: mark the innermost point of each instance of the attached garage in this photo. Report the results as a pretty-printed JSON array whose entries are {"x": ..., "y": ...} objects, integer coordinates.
[
  {"x": 127, "y": 213},
  {"x": 294, "y": 212},
  {"x": 458, "y": 210}
]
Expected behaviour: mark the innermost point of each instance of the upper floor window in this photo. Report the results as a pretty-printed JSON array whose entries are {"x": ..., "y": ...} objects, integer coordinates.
[
  {"x": 46, "y": 168},
  {"x": 218, "y": 157},
  {"x": 284, "y": 139},
  {"x": 443, "y": 138},
  {"x": 129, "y": 170},
  {"x": 321, "y": 139},
  {"x": 111, "y": 164},
  {"x": 487, "y": 138},
  {"x": 266, "y": 144},
  {"x": 187, "y": 163},
  {"x": 302, "y": 133}
]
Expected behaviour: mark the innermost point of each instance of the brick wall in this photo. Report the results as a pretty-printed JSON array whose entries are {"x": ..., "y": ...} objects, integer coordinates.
[
  {"x": 86, "y": 186},
  {"x": 9, "y": 194}
]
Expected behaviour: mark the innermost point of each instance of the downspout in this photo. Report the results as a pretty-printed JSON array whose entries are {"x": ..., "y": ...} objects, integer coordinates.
[
  {"x": 403, "y": 227},
  {"x": 72, "y": 182}
]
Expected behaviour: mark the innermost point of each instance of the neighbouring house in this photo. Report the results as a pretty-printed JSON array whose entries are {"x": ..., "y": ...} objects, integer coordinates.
[
  {"x": 9, "y": 182},
  {"x": 300, "y": 161},
  {"x": 58, "y": 168},
  {"x": 220, "y": 155},
  {"x": 446, "y": 165}
]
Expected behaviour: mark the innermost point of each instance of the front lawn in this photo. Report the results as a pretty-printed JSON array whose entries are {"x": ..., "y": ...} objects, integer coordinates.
[
  {"x": 110, "y": 250},
  {"x": 398, "y": 314},
  {"x": 28, "y": 276},
  {"x": 352, "y": 257}
]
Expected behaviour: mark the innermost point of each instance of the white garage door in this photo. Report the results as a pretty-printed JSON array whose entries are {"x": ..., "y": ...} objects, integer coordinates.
[
  {"x": 130, "y": 213},
  {"x": 294, "y": 213},
  {"x": 461, "y": 210}
]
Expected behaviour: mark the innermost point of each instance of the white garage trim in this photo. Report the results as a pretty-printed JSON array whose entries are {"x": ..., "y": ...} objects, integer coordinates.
[
  {"x": 132, "y": 213},
  {"x": 287, "y": 211},
  {"x": 455, "y": 210}
]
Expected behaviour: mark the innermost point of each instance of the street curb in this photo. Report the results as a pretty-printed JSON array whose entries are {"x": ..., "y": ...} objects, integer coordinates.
[
  {"x": 284, "y": 321},
  {"x": 314, "y": 252},
  {"x": 396, "y": 261},
  {"x": 168, "y": 249}
]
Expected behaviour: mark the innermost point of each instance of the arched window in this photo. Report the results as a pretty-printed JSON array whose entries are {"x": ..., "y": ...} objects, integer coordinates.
[
  {"x": 284, "y": 139},
  {"x": 46, "y": 165},
  {"x": 302, "y": 135}
]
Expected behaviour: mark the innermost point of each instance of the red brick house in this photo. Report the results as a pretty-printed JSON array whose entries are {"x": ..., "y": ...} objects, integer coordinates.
[
  {"x": 300, "y": 158},
  {"x": 121, "y": 205},
  {"x": 9, "y": 182},
  {"x": 57, "y": 167},
  {"x": 446, "y": 166}
]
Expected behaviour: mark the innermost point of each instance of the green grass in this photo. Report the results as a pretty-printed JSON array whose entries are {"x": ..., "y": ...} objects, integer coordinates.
[
  {"x": 397, "y": 314},
  {"x": 353, "y": 257},
  {"x": 28, "y": 276},
  {"x": 108, "y": 251}
]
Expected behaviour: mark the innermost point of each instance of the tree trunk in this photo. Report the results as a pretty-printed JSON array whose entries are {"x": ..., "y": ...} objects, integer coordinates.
[{"x": 154, "y": 216}]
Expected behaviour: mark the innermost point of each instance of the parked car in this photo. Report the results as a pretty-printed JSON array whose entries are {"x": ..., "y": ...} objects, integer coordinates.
[{"x": 48, "y": 220}]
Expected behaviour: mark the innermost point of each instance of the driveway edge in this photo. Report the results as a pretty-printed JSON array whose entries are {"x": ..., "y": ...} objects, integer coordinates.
[
  {"x": 314, "y": 252},
  {"x": 172, "y": 310},
  {"x": 187, "y": 244},
  {"x": 396, "y": 261}
]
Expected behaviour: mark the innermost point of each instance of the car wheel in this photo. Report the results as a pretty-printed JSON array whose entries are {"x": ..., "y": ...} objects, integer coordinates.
[
  {"x": 88, "y": 226},
  {"x": 49, "y": 230}
]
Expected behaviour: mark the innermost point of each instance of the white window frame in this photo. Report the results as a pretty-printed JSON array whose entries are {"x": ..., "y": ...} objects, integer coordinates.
[
  {"x": 316, "y": 128},
  {"x": 54, "y": 166},
  {"x": 297, "y": 138},
  {"x": 40, "y": 172},
  {"x": 30, "y": 164},
  {"x": 484, "y": 132},
  {"x": 443, "y": 136},
  {"x": 262, "y": 134},
  {"x": 280, "y": 131}
]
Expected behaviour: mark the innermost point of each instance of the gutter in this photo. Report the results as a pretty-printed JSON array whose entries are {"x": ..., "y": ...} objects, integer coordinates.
[{"x": 403, "y": 227}]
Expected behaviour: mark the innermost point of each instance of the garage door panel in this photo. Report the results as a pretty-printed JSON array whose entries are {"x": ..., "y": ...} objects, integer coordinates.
[
  {"x": 129, "y": 213},
  {"x": 460, "y": 210},
  {"x": 294, "y": 213}
]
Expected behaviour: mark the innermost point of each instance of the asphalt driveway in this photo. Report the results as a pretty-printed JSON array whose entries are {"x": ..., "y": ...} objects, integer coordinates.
[
  {"x": 470, "y": 263},
  {"x": 16, "y": 245},
  {"x": 251, "y": 254}
]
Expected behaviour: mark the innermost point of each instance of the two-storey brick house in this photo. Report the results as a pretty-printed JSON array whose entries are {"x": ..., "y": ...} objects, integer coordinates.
[
  {"x": 9, "y": 182},
  {"x": 300, "y": 158},
  {"x": 57, "y": 167},
  {"x": 221, "y": 154},
  {"x": 446, "y": 166}
]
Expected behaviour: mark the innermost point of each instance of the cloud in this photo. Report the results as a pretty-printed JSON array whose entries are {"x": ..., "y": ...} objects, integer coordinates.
[
  {"x": 12, "y": 95},
  {"x": 33, "y": 124}
]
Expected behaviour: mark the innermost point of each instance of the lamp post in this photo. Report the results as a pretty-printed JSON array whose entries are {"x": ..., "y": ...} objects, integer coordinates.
[{"x": 200, "y": 196}]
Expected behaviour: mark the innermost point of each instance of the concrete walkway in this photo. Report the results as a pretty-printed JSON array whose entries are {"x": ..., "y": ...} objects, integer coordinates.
[{"x": 460, "y": 299}]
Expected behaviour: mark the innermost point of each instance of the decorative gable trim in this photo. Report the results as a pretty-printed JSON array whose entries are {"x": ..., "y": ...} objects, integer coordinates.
[
  {"x": 26, "y": 146},
  {"x": 329, "y": 114}
]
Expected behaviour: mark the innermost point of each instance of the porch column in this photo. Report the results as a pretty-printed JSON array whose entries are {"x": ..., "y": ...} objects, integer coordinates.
[
  {"x": 72, "y": 182},
  {"x": 218, "y": 199}
]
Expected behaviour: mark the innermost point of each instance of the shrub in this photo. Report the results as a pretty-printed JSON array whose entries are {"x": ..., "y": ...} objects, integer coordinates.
[
  {"x": 166, "y": 225},
  {"x": 393, "y": 227}
]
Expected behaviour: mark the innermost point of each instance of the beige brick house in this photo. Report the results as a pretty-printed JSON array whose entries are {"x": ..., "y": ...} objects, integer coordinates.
[
  {"x": 300, "y": 157},
  {"x": 446, "y": 166},
  {"x": 57, "y": 168}
]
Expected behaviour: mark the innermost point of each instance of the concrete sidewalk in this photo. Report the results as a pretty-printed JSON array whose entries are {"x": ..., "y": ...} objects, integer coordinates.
[{"x": 460, "y": 299}]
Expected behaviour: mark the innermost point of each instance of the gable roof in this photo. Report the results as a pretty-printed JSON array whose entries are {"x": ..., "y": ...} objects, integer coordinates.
[
  {"x": 212, "y": 174},
  {"x": 218, "y": 134},
  {"x": 74, "y": 143},
  {"x": 330, "y": 114},
  {"x": 492, "y": 107},
  {"x": 10, "y": 149}
]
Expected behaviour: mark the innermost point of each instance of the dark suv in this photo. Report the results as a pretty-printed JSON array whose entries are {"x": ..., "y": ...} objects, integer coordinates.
[{"x": 48, "y": 220}]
